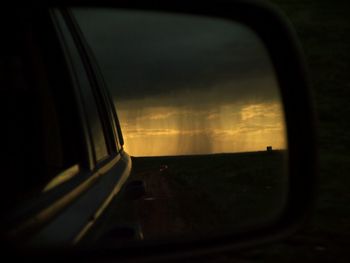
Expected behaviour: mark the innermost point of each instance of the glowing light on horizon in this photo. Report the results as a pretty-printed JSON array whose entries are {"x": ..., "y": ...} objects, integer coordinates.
[{"x": 161, "y": 131}]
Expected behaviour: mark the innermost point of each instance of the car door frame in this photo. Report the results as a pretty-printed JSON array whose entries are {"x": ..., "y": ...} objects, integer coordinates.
[{"x": 64, "y": 214}]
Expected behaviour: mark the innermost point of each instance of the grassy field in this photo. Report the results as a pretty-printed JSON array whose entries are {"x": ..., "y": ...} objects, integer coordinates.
[{"x": 208, "y": 194}]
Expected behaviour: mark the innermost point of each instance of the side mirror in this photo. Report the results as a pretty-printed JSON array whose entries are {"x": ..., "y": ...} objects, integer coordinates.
[{"x": 215, "y": 108}]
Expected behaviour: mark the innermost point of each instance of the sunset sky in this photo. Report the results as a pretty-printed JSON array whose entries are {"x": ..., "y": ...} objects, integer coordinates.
[{"x": 186, "y": 84}]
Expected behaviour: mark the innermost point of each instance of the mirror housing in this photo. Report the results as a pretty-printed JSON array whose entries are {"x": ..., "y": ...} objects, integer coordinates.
[{"x": 285, "y": 52}]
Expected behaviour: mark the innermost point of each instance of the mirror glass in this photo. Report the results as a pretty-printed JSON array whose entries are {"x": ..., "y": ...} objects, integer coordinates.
[{"x": 199, "y": 106}]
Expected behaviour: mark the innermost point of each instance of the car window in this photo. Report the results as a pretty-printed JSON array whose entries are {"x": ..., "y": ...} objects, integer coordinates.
[
  {"x": 41, "y": 125},
  {"x": 93, "y": 113}
]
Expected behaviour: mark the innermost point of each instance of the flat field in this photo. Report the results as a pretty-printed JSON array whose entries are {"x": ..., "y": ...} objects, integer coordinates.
[{"x": 209, "y": 194}]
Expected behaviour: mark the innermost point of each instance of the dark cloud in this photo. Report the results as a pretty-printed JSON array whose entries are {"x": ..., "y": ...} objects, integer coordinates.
[{"x": 145, "y": 55}]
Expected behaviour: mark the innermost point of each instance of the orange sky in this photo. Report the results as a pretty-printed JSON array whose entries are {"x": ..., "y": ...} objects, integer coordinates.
[
  {"x": 157, "y": 131},
  {"x": 186, "y": 84}
]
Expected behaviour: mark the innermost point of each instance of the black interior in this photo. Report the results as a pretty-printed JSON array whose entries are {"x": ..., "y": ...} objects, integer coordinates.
[{"x": 38, "y": 113}]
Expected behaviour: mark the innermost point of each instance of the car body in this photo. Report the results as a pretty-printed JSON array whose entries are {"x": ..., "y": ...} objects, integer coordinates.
[{"x": 72, "y": 158}]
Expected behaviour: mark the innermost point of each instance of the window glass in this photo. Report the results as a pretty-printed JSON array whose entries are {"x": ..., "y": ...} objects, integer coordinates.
[
  {"x": 95, "y": 126},
  {"x": 40, "y": 120}
]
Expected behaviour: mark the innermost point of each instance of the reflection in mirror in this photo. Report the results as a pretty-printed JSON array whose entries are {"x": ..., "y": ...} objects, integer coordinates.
[{"x": 200, "y": 110}]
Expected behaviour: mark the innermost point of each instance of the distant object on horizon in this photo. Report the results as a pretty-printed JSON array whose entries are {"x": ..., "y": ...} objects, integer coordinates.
[{"x": 269, "y": 148}]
